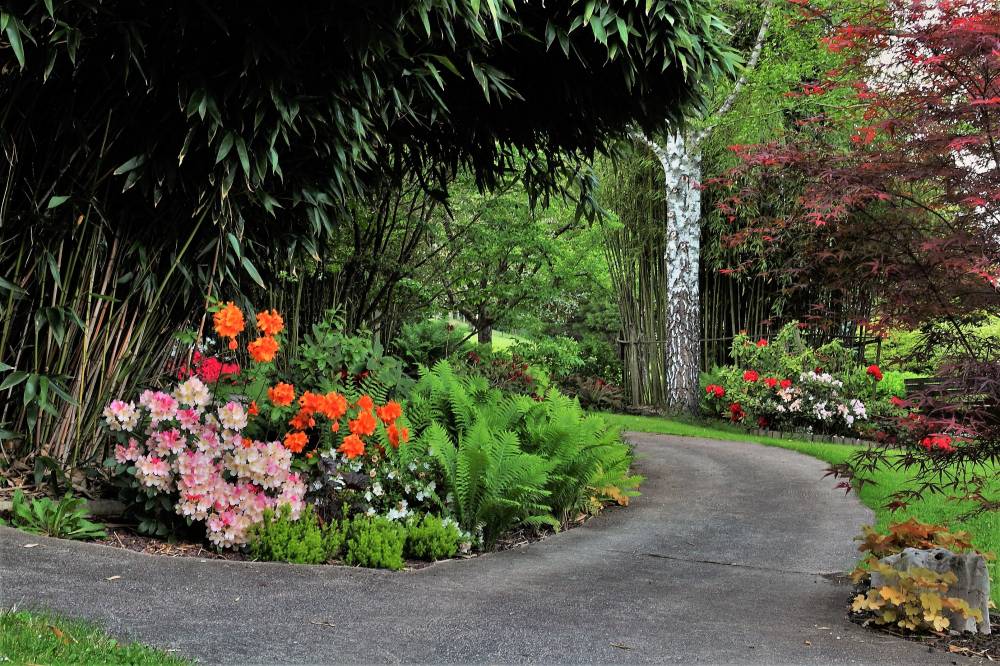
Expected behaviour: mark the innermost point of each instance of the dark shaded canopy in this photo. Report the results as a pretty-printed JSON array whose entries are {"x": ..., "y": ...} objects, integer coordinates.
[{"x": 248, "y": 106}]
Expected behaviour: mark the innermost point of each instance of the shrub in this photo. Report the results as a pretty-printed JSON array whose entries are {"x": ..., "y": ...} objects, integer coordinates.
[
  {"x": 281, "y": 538},
  {"x": 594, "y": 393},
  {"x": 558, "y": 356},
  {"x": 374, "y": 542},
  {"x": 432, "y": 538},
  {"x": 357, "y": 364},
  {"x": 65, "y": 519},
  {"x": 429, "y": 341}
]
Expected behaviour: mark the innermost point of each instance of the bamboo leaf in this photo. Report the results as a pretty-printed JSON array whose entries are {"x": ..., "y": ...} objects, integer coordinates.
[
  {"x": 56, "y": 201},
  {"x": 224, "y": 147},
  {"x": 15, "y": 42},
  {"x": 252, "y": 272},
  {"x": 13, "y": 379},
  {"x": 131, "y": 164}
]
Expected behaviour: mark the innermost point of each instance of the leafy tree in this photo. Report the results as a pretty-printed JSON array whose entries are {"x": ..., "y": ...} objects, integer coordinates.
[
  {"x": 158, "y": 152},
  {"x": 908, "y": 206}
]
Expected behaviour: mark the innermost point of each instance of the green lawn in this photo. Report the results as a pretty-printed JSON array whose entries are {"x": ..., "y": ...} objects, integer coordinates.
[
  {"x": 501, "y": 340},
  {"x": 936, "y": 509},
  {"x": 29, "y": 638}
]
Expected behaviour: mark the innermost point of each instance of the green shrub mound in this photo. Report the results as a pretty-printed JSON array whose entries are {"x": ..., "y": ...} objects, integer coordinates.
[
  {"x": 279, "y": 538},
  {"x": 374, "y": 542},
  {"x": 432, "y": 538}
]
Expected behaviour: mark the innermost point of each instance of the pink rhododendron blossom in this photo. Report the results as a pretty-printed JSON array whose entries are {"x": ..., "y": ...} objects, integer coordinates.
[
  {"x": 120, "y": 415},
  {"x": 212, "y": 473}
]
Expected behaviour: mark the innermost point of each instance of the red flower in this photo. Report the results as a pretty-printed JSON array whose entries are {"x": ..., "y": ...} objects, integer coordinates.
[
  {"x": 771, "y": 382},
  {"x": 897, "y": 401},
  {"x": 875, "y": 372},
  {"x": 762, "y": 342},
  {"x": 715, "y": 390},
  {"x": 761, "y": 422},
  {"x": 785, "y": 383},
  {"x": 736, "y": 412},
  {"x": 751, "y": 376},
  {"x": 941, "y": 442}
]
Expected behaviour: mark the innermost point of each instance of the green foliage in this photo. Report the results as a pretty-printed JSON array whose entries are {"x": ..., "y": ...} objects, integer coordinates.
[
  {"x": 510, "y": 460},
  {"x": 355, "y": 364},
  {"x": 31, "y": 638},
  {"x": 431, "y": 538},
  {"x": 428, "y": 341},
  {"x": 559, "y": 356},
  {"x": 65, "y": 519},
  {"x": 279, "y": 538},
  {"x": 374, "y": 542}
]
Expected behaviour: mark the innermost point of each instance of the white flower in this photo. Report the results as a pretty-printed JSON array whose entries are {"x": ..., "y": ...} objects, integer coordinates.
[{"x": 377, "y": 489}]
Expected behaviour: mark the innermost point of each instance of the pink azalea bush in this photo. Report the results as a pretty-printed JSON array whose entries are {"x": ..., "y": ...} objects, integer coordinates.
[{"x": 182, "y": 446}]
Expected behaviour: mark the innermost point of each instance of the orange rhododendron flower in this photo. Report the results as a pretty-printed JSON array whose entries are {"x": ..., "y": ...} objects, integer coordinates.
[
  {"x": 228, "y": 321},
  {"x": 263, "y": 349},
  {"x": 270, "y": 323},
  {"x": 405, "y": 434},
  {"x": 302, "y": 421},
  {"x": 312, "y": 402},
  {"x": 281, "y": 395},
  {"x": 393, "y": 433},
  {"x": 389, "y": 412},
  {"x": 365, "y": 402},
  {"x": 352, "y": 447},
  {"x": 335, "y": 426},
  {"x": 233, "y": 346},
  {"x": 334, "y": 406},
  {"x": 296, "y": 441},
  {"x": 254, "y": 410},
  {"x": 364, "y": 424}
]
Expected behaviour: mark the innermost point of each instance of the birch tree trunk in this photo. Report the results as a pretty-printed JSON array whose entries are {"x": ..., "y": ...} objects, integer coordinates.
[{"x": 681, "y": 162}]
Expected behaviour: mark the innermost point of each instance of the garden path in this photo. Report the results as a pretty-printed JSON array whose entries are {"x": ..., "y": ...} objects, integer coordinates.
[{"x": 728, "y": 556}]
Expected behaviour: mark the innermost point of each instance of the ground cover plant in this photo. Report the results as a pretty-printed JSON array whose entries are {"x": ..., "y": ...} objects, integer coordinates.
[
  {"x": 887, "y": 481},
  {"x": 37, "y": 638}
]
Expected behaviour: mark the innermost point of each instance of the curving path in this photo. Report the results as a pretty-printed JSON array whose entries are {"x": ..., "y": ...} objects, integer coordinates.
[{"x": 727, "y": 557}]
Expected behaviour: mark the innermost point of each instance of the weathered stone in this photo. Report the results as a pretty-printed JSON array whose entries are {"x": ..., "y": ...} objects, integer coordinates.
[{"x": 973, "y": 584}]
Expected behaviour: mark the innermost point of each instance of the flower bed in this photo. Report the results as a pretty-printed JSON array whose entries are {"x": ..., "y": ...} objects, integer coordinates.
[{"x": 252, "y": 454}]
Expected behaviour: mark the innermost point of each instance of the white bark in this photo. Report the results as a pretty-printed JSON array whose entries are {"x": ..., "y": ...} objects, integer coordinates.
[
  {"x": 680, "y": 157},
  {"x": 681, "y": 163}
]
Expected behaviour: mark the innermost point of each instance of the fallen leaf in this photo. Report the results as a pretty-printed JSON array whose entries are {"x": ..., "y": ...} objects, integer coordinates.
[
  {"x": 112, "y": 578},
  {"x": 620, "y": 646},
  {"x": 29, "y": 545},
  {"x": 808, "y": 642},
  {"x": 61, "y": 635}
]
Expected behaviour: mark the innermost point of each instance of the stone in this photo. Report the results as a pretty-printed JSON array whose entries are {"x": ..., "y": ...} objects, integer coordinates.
[{"x": 973, "y": 584}]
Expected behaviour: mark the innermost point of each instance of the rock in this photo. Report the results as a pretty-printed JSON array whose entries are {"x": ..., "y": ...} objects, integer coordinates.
[{"x": 973, "y": 584}]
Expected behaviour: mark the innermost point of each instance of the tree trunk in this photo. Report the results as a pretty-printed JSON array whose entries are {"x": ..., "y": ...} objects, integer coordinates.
[
  {"x": 486, "y": 335},
  {"x": 681, "y": 162}
]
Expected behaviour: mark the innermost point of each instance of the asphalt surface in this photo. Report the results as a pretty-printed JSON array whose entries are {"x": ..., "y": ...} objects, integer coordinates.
[{"x": 729, "y": 556}]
